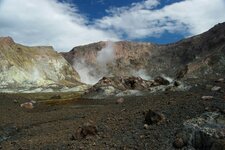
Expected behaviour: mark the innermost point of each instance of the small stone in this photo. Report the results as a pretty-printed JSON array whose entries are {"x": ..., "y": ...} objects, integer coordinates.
[
  {"x": 87, "y": 129},
  {"x": 15, "y": 101},
  {"x": 220, "y": 80},
  {"x": 161, "y": 81},
  {"x": 32, "y": 101},
  {"x": 56, "y": 97},
  {"x": 206, "y": 108},
  {"x": 216, "y": 88},
  {"x": 27, "y": 105},
  {"x": 178, "y": 143},
  {"x": 119, "y": 101},
  {"x": 154, "y": 117},
  {"x": 207, "y": 97},
  {"x": 146, "y": 126},
  {"x": 176, "y": 83},
  {"x": 142, "y": 136},
  {"x": 72, "y": 138}
]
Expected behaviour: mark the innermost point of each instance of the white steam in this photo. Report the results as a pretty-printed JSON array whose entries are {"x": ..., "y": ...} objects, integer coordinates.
[
  {"x": 35, "y": 75},
  {"x": 141, "y": 73},
  {"x": 88, "y": 73},
  {"x": 167, "y": 78},
  {"x": 105, "y": 56}
]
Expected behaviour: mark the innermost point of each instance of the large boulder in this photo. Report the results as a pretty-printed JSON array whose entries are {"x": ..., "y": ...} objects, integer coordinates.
[{"x": 206, "y": 132}]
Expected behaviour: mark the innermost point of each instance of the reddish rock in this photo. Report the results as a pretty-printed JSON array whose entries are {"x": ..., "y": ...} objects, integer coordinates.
[
  {"x": 27, "y": 105},
  {"x": 119, "y": 101}
]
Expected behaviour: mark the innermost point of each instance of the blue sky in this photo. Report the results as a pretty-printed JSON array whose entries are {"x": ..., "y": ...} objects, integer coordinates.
[
  {"x": 96, "y": 9},
  {"x": 68, "y": 23}
]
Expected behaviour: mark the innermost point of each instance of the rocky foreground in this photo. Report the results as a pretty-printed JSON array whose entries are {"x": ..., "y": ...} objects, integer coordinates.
[{"x": 193, "y": 119}]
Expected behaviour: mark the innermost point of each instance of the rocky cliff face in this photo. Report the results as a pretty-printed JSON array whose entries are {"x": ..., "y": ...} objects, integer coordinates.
[
  {"x": 32, "y": 67},
  {"x": 197, "y": 56}
]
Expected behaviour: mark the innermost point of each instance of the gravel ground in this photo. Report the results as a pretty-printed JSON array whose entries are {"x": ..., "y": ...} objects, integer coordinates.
[{"x": 119, "y": 126}]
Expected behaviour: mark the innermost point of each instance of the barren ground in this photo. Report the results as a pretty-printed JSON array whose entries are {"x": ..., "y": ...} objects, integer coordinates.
[{"x": 50, "y": 125}]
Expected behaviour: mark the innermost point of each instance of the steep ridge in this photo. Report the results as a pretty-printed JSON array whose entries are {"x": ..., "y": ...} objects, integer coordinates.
[
  {"x": 197, "y": 56},
  {"x": 33, "y": 67}
]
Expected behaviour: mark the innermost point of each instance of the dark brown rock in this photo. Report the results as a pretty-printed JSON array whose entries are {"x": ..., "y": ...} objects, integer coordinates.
[
  {"x": 154, "y": 117},
  {"x": 87, "y": 129},
  {"x": 178, "y": 143},
  {"x": 56, "y": 97},
  {"x": 181, "y": 139},
  {"x": 218, "y": 145},
  {"x": 161, "y": 81}
]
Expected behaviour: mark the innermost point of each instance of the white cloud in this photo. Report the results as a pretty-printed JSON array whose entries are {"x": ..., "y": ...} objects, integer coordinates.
[
  {"x": 144, "y": 20},
  {"x": 47, "y": 22}
]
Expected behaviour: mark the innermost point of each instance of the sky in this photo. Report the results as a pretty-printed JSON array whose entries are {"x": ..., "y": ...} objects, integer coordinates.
[{"x": 65, "y": 24}]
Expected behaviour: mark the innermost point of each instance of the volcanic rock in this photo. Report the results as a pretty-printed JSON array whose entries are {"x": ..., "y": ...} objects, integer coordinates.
[
  {"x": 220, "y": 80},
  {"x": 207, "y": 131},
  {"x": 207, "y": 97},
  {"x": 119, "y": 101},
  {"x": 161, "y": 81},
  {"x": 88, "y": 129},
  {"x": 215, "y": 88},
  {"x": 27, "y": 105},
  {"x": 181, "y": 139},
  {"x": 153, "y": 117}
]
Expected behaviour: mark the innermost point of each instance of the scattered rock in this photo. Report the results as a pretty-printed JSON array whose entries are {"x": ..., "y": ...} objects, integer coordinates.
[
  {"x": 178, "y": 143},
  {"x": 220, "y": 80},
  {"x": 56, "y": 97},
  {"x": 216, "y": 88},
  {"x": 161, "y": 81},
  {"x": 176, "y": 83},
  {"x": 154, "y": 118},
  {"x": 181, "y": 139},
  {"x": 27, "y": 105},
  {"x": 15, "y": 101},
  {"x": 119, "y": 101},
  {"x": 32, "y": 101},
  {"x": 207, "y": 97},
  {"x": 146, "y": 126},
  {"x": 87, "y": 129}
]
